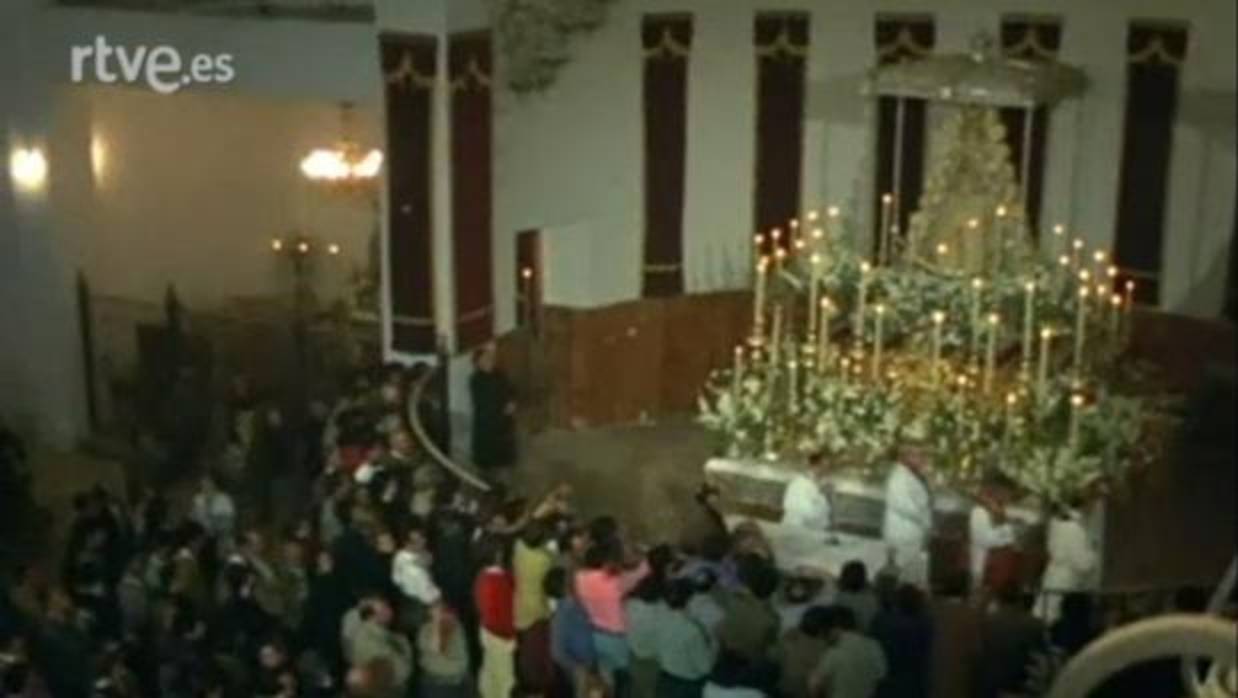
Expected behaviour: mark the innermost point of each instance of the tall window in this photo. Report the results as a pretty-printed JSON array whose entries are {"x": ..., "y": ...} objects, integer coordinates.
[
  {"x": 781, "y": 45},
  {"x": 1030, "y": 39},
  {"x": 1155, "y": 52},
  {"x": 667, "y": 44},
  {"x": 900, "y": 122}
]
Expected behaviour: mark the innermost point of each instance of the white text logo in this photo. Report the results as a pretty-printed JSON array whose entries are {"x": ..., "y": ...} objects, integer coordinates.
[{"x": 160, "y": 67}]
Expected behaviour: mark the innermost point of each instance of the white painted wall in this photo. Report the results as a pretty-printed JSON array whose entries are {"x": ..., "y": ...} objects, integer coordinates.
[
  {"x": 196, "y": 177},
  {"x": 571, "y": 157},
  {"x": 209, "y": 173},
  {"x": 41, "y": 386}
]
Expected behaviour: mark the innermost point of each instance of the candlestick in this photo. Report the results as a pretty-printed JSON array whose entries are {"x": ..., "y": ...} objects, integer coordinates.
[
  {"x": 880, "y": 311},
  {"x": 887, "y": 202},
  {"x": 526, "y": 278},
  {"x": 758, "y": 301},
  {"x": 1059, "y": 238},
  {"x": 1099, "y": 257},
  {"x": 862, "y": 298},
  {"x": 813, "y": 289},
  {"x": 1029, "y": 311},
  {"x": 1042, "y": 367},
  {"x": 990, "y": 354},
  {"x": 935, "y": 366},
  {"x": 1081, "y": 311},
  {"x": 1076, "y": 403},
  {"x": 976, "y": 285},
  {"x": 775, "y": 338},
  {"x": 999, "y": 237},
  {"x": 823, "y": 332}
]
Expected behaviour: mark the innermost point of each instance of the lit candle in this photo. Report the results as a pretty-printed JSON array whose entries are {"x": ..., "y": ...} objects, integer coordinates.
[
  {"x": 526, "y": 276},
  {"x": 1076, "y": 403},
  {"x": 976, "y": 286},
  {"x": 887, "y": 205},
  {"x": 990, "y": 353},
  {"x": 999, "y": 238},
  {"x": 1100, "y": 257},
  {"x": 813, "y": 291},
  {"x": 1011, "y": 399},
  {"x": 1029, "y": 312},
  {"x": 812, "y": 216},
  {"x": 1076, "y": 250},
  {"x": 858, "y": 328},
  {"x": 758, "y": 303},
  {"x": 942, "y": 251},
  {"x": 935, "y": 365},
  {"x": 823, "y": 332},
  {"x": 1115, "y": 313},
  {"x": 972, "y": 244},
  {"x": 880, "y": 311},
  {"x": 1059, "y": 238},
  {"x": 779, "y": 255},
  {"x": 1081, "y": 311},
  {"x": 1042, "y": 367},
  {"x": 1127, "y": 325}
]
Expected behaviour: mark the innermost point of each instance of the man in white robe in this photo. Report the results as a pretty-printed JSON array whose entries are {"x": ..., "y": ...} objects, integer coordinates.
[
  {"x": 805, "y": 504},
  {"x": 1072, "y": 562},
  {"x": 908, "y": 520}
]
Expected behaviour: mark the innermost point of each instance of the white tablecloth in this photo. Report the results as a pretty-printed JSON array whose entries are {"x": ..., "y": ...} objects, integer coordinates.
[
  {"x": 800, "y": 550},
  {"x": 943, "y": 500}
]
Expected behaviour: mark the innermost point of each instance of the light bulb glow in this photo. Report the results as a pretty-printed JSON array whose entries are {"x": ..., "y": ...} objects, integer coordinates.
[{"x": 28, "y": 167}]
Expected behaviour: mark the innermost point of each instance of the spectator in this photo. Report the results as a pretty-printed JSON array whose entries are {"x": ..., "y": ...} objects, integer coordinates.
[
  {"x": 853, "y": 666},
  {"x": 684, "y": 648},
  {"x": 750, "y": 626},
  {"x": 443, "y": 655},
  {"x": 903, "y": 629},
  {"x": 494, "y": 592},
  {"x": 1010, "y": 636},
  {"x": 799, "y": 651},
  {"x": 856, "y": 594}
]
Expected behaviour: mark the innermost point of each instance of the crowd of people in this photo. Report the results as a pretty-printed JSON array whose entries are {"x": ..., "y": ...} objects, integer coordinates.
[{"x": 390, "y": 579}]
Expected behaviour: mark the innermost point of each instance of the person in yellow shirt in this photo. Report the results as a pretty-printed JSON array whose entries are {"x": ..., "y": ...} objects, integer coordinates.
[{"x": 531, "y": 560}]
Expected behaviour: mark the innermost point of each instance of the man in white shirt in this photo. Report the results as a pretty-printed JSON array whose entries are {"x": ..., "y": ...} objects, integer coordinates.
[
  {"x": 908, "y": 520},
  {"x": 1072, "y": 561},
  {"x": 804, "y": 502},
  {"x": 214, "y": 511},
  {"x": 410, "y": 571},
  {"x": 987, "y": 528}
]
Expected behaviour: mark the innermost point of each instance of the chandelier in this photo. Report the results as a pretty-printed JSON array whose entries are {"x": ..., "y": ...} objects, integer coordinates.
[{"x": 344, "y": 163}]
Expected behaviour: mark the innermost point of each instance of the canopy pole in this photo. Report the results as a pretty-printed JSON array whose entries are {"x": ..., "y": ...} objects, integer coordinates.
[
  {"x": 900, "y": 116},
  {"x": 1025, "y": 166}
]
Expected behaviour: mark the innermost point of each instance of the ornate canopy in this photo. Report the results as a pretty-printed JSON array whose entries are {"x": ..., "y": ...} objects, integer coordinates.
[{"x": 980, "y": 76}]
